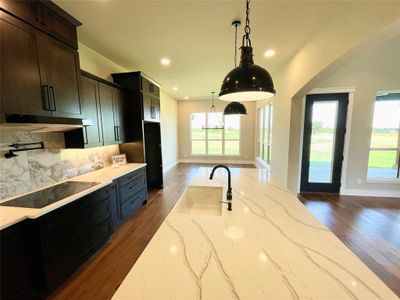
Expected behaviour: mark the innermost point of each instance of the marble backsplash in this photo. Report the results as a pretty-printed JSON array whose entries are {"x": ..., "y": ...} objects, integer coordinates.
[{"x": 34, "y": 169}]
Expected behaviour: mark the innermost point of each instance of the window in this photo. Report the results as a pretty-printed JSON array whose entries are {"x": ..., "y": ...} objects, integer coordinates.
[
  {"x": 265, "y": 132},
  {"x": 384, "y": 152},
  {"x": 215, "y": 141}
]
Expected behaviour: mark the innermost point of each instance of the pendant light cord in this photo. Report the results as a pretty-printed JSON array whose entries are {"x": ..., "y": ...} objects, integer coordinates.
[
  {"x": 236, "y": 27},
  {"x": 246, "y": 38}
]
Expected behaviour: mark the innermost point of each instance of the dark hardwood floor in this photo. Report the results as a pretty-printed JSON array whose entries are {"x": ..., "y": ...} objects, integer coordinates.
[{"x": 369, "y": 226}]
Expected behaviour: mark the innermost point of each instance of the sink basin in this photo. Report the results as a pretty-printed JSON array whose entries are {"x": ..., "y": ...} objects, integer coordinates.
[{"x": 200, "y": 200}]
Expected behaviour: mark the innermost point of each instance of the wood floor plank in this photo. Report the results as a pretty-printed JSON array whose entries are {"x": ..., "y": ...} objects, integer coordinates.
[{"x": 369, "y": 226}]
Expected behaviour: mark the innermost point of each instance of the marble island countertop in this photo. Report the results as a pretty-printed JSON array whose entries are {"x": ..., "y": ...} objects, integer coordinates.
[
  {"x": 12, "y": 215},
  {"x": 269, "y": 247}
]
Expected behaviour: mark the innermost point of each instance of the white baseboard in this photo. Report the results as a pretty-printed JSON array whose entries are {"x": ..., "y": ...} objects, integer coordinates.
[
  {"x": 216, "y": 161},
  {"x": 169, "y": 165},
  {"x": 371, "y": 193}
]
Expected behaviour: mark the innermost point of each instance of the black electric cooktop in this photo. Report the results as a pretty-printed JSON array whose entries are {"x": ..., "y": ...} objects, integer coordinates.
[{"x": 50, "y": 195}]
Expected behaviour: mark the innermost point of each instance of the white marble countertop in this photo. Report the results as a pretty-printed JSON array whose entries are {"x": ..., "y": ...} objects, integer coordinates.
[
  {"x": 269, "y": 247},
  {"x": 12, "y": 215}
]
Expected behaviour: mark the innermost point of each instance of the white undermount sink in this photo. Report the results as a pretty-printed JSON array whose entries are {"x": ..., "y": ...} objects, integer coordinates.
[{"x": 200, "y": 200}]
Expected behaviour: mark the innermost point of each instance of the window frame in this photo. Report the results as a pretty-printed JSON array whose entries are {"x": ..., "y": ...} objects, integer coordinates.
[
  {"x": 264, "y": 138},
  {"x": 396, "y": 149},
  {"x": 207, "y": 139}
]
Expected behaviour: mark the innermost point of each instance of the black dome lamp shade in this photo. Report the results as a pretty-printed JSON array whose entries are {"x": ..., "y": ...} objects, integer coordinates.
[
  {"x": 235, "y": 108},
  {"x": 247, "y": 82}
]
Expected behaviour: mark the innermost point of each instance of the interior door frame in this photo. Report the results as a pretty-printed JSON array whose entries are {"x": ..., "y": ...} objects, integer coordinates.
[{"x": 341, "y": 142}]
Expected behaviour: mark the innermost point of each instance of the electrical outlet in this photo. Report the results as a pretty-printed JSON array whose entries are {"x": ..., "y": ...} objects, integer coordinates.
[{"x": 359, "y": 181}]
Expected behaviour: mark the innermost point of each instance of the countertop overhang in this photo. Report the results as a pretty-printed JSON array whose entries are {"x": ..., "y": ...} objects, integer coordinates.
[
  {"x": 269, "y": 247},
  {"x": 105, "y": 176}
]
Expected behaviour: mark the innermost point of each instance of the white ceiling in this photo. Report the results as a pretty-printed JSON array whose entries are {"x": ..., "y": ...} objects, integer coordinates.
[{"x": 196, "y": 35}]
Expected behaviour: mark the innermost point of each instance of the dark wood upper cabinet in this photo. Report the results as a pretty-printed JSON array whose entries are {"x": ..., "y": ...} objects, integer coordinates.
[
  {"x": 57, "y": 25},
  {"x": 39, "y": 73},
  {"x": 107, "y": 114},
  {"x": 144, "y": 128},
  {"x": 146, "y": 94},
  {"x": 91, "y": 107},
  {"x": 46, "y": 16},
  {"x": 21, "y": 89},
  {"x": 119, "y": 97},
  {"x": 103, "y": 105},
  {"x": 90, "y": 135},
  {"x": 61, "y": 74}
]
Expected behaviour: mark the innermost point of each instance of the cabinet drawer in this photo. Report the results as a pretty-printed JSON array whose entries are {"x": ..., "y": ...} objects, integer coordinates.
[
  {"x": 133, "y": 204},
  {"x": 55, "y": 237},
  {"x": 150, "y": 88},
  {"x": 131, "y": 188},
  {"x": 131, "y": 176},
  {"x": 74, "y": 212}
]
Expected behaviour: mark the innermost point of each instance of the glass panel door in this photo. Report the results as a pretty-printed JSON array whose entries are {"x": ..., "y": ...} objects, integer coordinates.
[
  {"x": 322, "y": 146},
  {"x": 323, "y": 142}
]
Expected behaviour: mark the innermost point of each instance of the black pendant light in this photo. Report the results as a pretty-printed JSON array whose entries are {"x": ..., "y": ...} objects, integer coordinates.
[
  {"x": 235, "y": 108},
  {"x": 218, "y": 123},
  {"x": 247, "y": 82}
]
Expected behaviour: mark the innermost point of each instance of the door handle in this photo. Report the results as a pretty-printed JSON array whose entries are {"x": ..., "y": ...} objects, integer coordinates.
[
  {"x": 85, "y": 136},
  {"x": 53, "y": 106},
  {"x": 46, "y": 100},
  {"x": 119, "y": 133}
]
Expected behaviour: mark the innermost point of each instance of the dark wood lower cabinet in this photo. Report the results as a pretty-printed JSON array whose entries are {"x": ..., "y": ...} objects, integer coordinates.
[
  {"x": 37, "y": 255},
  {"x": 128, "y": 193},
  {"x": 17, "y": 257}
]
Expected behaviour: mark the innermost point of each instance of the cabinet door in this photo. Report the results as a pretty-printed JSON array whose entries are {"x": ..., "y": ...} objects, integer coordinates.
[
  {"x": 118, "y": 113},
  {"x": 107, "y": 114},
  {"x": 26, "y": 10},
  {"x": 57, "y": 26},
  {"x": 115, "y": 206},
  {"x": 17, "y": 263},
  {"x": 91, "y": 112},
  {"x": 155, "y": 109},
  {"x": 61, "y": 67},
  {"x": 146, "y": 107},
  {"x": 150, "y": 88},
  {"x": 21, "y": 79}
]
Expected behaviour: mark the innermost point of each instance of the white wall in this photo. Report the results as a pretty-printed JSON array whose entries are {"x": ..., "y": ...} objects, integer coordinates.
[
  {"x": 169, "y": 130},
  {"x": 319, "y": 55},
  {"x": 247, "y": 132},
  {"x": 97, "y": 64},
  {"x": 373, "y": 70}
]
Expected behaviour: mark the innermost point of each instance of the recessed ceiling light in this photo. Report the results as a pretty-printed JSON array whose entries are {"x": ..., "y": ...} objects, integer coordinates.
[
  {"x": 269, "y": 53},
  {"x": 175, "y": 88},
  {"x": 165, "y": 61},
  {"x": 186, "y": 98}
]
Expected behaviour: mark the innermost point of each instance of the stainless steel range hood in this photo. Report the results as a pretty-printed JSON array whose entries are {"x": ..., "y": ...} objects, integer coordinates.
[{"x": 39, "y": 123}]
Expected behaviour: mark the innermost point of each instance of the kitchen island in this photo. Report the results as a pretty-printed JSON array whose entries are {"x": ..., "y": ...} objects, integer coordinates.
[{"x": 269, "y": 247}]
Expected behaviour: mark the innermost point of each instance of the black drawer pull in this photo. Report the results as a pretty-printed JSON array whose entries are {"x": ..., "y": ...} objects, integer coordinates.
[{"x": 46, "y": 97}]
